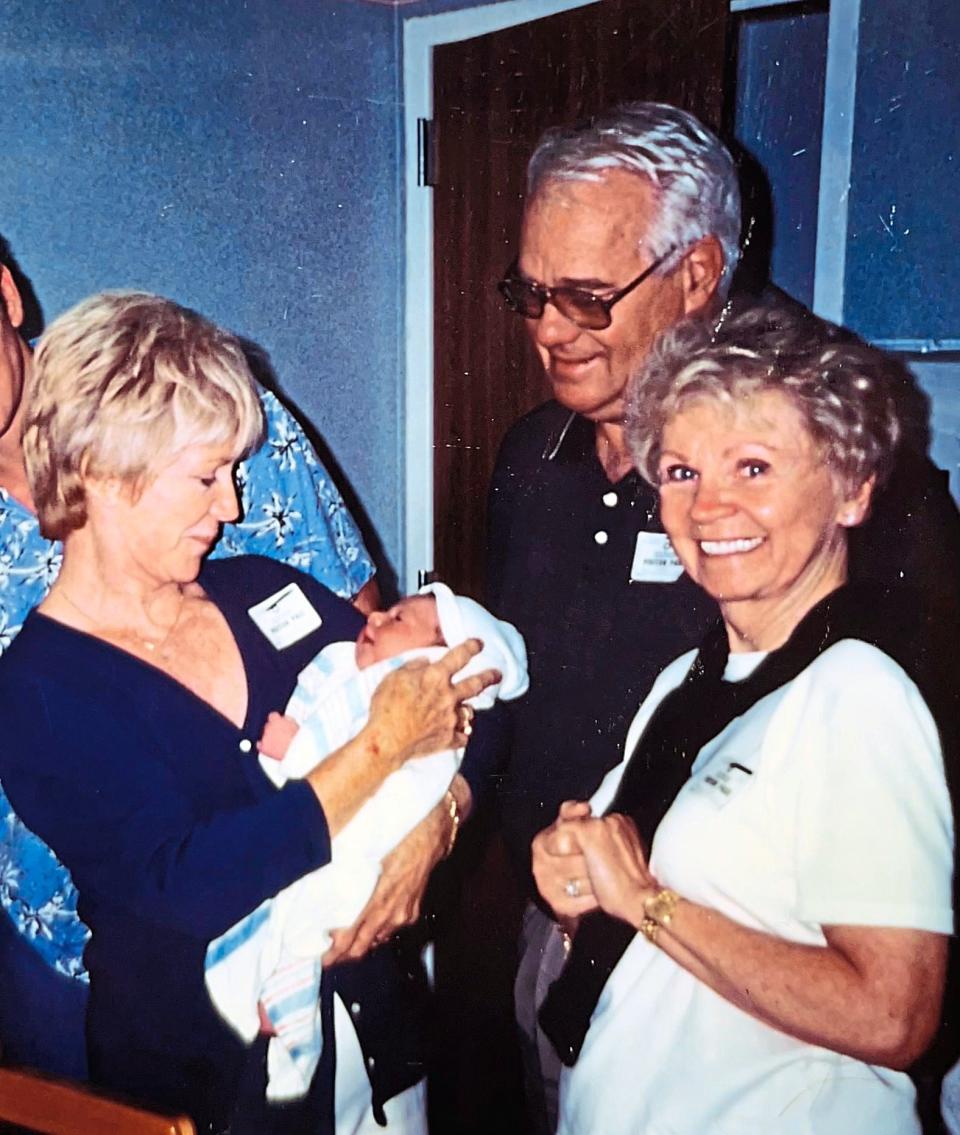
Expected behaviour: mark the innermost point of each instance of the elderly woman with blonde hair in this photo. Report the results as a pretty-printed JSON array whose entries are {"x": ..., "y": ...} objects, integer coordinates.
[
  {"x": 132, "y": 699},
  {"x": 759, "y": 896}
]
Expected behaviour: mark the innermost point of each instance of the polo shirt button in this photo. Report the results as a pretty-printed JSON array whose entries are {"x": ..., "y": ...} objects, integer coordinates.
[
  {"x": 245, "y": 745},
  {"x": 370, "y": 1062},
  {"x": 355, "y": 1008},
  {"x": 600, "y": 537},
  {"x": 610, "y": 500}
]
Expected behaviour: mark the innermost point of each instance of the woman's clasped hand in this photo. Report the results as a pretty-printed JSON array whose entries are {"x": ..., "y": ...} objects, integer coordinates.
[{"x": 583, "y": 863}]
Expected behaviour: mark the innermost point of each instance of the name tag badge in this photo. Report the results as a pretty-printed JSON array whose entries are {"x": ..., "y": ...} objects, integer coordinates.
[
  {"x": 286, "y": 616},
  {"x": 720, "y": 784},
  {"x": 654, "y": 560}
]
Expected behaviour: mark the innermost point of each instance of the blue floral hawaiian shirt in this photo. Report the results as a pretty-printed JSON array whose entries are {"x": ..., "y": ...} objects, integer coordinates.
[{"x": 291, "y": 512}]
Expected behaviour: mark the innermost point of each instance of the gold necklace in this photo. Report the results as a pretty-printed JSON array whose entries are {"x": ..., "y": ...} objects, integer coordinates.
[{"x": 148, "y": 645}]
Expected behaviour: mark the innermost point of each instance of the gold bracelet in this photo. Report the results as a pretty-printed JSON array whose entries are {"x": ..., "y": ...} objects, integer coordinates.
[
  {"x": 453, "y": 811},
  {"x": 649, "y": 929},
  {"x": 660, "y": 909}
]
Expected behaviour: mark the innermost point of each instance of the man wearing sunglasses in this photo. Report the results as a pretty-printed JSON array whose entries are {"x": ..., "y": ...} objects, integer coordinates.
[{"x": 632, "y": 224}]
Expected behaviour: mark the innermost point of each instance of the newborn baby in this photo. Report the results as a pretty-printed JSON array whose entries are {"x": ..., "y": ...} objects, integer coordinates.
[
  {"x": 413, "y": 622},
  {"x": 272, "y": 957}
]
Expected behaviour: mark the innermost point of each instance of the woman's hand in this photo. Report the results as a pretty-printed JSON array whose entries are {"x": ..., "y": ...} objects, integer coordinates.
[
  {"x": 396, "y": 900},
  {"x": 617, "y": 866},
  {"x": 559, "y": 867},
  {"x": 872, "y": 992},
  {"x": 417, "y": 709}
]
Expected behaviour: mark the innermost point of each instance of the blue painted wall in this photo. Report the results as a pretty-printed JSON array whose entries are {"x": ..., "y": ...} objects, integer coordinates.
[
  {"x": 903, "y": 252},
  {"x": 244, "y": 157},
  {"x": 781, "y": 66},
  {"x": 241, "y": 156},
  {"x": 904, "y": 247}
]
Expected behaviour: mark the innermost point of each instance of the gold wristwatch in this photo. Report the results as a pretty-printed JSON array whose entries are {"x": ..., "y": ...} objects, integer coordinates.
[{"x": 658, "y": 910}]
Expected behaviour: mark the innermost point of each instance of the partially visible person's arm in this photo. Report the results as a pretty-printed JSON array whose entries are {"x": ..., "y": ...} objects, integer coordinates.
[
  {"x": 142, "y": 838},
  {"x": 413, "y": 712},
  {"x": 163, "y": 862},
  {"x": 872, "y": 992}
]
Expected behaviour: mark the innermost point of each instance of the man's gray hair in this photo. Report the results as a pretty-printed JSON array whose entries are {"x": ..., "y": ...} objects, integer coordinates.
[{"x": 690, "y": 168}]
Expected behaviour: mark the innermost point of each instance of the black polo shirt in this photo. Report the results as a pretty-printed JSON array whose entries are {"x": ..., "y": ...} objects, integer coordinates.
[{"x": 562, "y": 544}]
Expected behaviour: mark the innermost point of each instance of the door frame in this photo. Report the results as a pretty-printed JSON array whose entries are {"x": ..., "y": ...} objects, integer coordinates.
[
  {"x": 836, "y": 159},
  {"x": 421, "y": 34}
]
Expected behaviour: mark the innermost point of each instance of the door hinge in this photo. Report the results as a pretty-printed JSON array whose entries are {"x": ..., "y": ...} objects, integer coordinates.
[
  {"x": 424, "y": 577},
  {"x": 426, "y": 153}
]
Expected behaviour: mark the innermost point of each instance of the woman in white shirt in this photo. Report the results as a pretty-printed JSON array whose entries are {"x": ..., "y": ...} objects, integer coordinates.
[{"x": 759, "y": 897}]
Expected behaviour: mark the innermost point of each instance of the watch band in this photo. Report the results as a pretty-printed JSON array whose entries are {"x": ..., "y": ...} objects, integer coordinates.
[{"x": 658, "y": 910}]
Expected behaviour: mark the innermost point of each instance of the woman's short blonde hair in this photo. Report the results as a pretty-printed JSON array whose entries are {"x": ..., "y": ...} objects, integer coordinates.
[
  {"x": 845, "y": 390},
  {"x": 122, "y": 383}
]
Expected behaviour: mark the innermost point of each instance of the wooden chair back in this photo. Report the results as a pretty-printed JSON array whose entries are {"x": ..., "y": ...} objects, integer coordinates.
[{"x": 55, "y": 1107}]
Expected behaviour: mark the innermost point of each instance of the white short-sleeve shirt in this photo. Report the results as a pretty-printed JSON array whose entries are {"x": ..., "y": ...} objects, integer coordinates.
[{"x": 826, "y": 803}]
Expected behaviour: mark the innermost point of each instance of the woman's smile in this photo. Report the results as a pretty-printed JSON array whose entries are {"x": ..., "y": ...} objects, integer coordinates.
[{"x": 729, "y": 547}]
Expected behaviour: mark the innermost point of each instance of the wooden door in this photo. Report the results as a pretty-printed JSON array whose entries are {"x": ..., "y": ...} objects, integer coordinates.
[{"x": 493, "y": 97}]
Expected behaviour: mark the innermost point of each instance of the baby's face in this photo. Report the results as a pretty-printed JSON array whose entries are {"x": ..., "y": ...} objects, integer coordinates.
[{"x": 408, "y": 624}]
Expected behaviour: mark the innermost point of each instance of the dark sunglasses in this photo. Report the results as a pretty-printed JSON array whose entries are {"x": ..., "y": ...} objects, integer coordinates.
[{"x": 584, "y": 308}]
